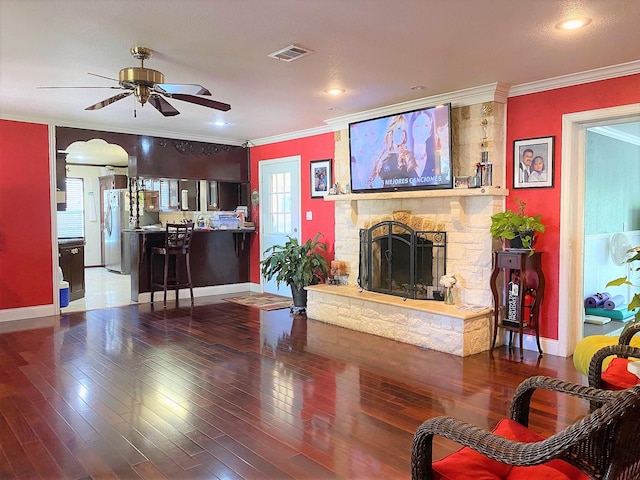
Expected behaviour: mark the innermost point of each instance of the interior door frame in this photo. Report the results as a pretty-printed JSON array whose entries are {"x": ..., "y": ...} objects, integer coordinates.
[
  {"x": 572, "y": 198},
  {"x": 293, "y": 159}
]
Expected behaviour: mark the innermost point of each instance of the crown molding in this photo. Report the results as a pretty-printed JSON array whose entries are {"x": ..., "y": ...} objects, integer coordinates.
[
  {"x": 617, "y": 134},
  {"x": 494, "y": 92},
  {"x": 59, "y": 122},
  {"x": 290, "y": 136},
  {"x": 604, "y": 73}
]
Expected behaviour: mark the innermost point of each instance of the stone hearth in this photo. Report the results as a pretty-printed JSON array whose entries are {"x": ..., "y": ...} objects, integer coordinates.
[{"x": 426, "y": 323}]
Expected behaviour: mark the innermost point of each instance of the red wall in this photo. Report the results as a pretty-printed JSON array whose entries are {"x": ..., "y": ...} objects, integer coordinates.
[
  {"x": 25, "y": 216},
  {"x": 540, "y": 115},
  {"x": 317, "y": 147}
]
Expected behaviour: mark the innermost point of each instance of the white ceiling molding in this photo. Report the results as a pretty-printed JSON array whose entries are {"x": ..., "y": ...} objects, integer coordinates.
[
  {"x": 617, "y": 134},
  {"x": 497, "y": 92},
  {"x": 291, "y": 136},
  {"x": 605, "y": 73},
  {"x": 494, "y": 92},
  {"x": 57, "y": 122}
]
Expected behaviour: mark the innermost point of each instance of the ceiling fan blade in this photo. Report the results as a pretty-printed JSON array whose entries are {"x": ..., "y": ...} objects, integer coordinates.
[
  {"x": 185, "y": 88},
  {"x": 109, "y": 101},
  {"x": 205, "y": 102},
  {"x": 164, "y": 107},
  {"x": 116, "y": 88},
  {"x": 102, "y": 76}
]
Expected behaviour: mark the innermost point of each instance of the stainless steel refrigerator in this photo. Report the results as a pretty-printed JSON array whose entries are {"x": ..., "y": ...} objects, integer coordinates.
[{"x": 116, "y": 219}]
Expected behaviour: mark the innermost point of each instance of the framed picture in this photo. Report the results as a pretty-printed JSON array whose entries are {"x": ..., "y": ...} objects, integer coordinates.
[
  {"x": 533, "y": 162},
  {"x": 320, "y": 177}
]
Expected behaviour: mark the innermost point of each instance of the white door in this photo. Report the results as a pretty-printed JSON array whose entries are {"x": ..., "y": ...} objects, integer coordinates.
[{"x": 279, "y": 208}]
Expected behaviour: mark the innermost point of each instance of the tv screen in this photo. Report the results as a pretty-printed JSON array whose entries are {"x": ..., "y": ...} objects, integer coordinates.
[{"x": 406, "y": 151}]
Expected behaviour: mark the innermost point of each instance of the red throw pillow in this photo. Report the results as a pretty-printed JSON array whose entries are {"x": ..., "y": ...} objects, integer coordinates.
[
  {"x": 467, "y": 463},
  {"x": 617, "y": 377}
]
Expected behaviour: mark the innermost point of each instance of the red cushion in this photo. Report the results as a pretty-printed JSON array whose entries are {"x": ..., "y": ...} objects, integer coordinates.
[
  {"x": 466, "y": 463},
  {"x": 617, "y": 377}
]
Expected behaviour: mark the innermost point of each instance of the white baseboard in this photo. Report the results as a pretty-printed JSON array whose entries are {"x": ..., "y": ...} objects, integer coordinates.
[
  {"x": 11, "y": 314},
  {"x": 23, "y": 313},
  {"x": 202, "y": 291}
]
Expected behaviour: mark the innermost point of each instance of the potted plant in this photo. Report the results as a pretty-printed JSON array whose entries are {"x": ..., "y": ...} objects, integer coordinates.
[
  {"x": 635, "y": 301},
  {"x": 297, "y": 265},
  {"x": 516, "y": 227}
]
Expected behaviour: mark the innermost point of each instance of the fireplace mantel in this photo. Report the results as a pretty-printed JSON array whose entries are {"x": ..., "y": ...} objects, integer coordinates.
[
  {"x": 456, "y": 196},
  {"x": 448, "y": 192}
]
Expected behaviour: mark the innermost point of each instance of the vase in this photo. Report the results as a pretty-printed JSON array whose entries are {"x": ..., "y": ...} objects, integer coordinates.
[{"x": 448, "y": 296}]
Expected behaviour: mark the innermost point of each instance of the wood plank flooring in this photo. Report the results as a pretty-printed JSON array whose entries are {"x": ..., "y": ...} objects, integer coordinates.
[{"x": 223, "y": 391}]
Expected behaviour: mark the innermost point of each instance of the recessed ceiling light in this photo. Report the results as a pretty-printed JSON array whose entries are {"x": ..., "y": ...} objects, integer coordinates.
[
  {"x": 573, "y": 23},
  {"x": 220, "y": 123},
  {"x": 335, "y": 91}
]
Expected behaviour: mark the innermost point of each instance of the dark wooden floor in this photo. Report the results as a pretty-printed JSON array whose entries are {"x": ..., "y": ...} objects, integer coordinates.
[{"x": 225, "y": 391}]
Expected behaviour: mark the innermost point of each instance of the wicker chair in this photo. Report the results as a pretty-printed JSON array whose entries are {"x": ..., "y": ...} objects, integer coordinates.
[{"x": 603, "y": 445}]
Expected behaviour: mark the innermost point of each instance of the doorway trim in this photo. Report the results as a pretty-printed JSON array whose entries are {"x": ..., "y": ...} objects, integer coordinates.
[
  {"x": 572, "y": 198},
  {"x": 296, "y": 202}
]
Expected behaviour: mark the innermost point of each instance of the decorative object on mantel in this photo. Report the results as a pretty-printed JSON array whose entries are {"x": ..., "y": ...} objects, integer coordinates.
[
  {"x": 447, "y": 282},
  {"x": 516, "y": 227},
  {"x": 297, "y": 265},
  {"x": 484, "y": 169},
  {"x": 462, "y": 182}
]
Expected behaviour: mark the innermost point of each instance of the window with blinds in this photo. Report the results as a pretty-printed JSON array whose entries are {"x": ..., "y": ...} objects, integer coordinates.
[{"x": 71, "y": 221}]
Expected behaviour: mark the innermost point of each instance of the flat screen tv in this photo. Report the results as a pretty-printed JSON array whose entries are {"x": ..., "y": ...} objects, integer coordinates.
[{"x": 405, "y": 151}]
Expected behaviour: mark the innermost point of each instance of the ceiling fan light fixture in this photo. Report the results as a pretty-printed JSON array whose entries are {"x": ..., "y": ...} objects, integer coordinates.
[
  {"x": 142, "y": 93},
  {"x": 140, "y": 75}
]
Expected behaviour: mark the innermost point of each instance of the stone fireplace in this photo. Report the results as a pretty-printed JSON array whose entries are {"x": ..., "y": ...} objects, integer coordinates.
[{"x": 478, "y": 119}]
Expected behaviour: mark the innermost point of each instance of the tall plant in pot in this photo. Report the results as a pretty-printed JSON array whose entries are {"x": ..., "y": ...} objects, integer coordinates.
[
  {"x": 296, "y": 264},
  {"x": 516, "y": 227}
]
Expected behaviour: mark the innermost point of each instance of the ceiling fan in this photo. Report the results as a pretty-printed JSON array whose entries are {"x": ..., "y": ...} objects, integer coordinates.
[{"x": 148, "y": 86}]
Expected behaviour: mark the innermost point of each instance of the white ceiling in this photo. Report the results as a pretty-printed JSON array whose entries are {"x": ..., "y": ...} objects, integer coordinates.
[{"x": 375, "y": 49}]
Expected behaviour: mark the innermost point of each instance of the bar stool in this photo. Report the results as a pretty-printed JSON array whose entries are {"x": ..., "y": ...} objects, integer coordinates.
[{"x": 177, "y": 242}]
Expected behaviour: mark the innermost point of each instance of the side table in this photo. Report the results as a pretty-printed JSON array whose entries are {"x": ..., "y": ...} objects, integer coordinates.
[{"x": 517, "y": 294}]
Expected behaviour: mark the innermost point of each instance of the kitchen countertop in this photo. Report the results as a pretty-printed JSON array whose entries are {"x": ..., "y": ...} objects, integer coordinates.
[
  {"x": 71, "y": 241},
  {"x": 213, "y": 230}
]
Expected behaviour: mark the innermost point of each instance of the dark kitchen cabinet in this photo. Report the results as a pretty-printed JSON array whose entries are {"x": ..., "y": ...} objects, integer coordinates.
[{"x": 71, "y": 261}]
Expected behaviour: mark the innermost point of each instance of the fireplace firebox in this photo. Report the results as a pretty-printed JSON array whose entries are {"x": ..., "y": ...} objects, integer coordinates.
[{"x": 398, "y": 260}]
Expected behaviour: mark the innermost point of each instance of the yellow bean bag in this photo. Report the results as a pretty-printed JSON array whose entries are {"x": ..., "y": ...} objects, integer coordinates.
[{"x": 588, "y": 346}]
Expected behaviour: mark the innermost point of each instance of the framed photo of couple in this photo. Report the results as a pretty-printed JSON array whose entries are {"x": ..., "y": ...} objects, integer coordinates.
[
  {"x": 320, "y": 177},
  {"x": 533, "y": 162}
]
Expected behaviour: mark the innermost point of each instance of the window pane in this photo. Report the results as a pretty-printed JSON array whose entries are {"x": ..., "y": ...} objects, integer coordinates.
[{"x": 71, "y": 221}]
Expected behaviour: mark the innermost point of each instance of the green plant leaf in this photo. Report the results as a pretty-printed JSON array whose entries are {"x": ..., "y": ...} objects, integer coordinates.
[{"x": 618, "y": 281}]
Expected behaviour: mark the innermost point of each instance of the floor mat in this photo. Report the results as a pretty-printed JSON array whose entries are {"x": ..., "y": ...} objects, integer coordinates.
[{"x": 263, "y": 301}]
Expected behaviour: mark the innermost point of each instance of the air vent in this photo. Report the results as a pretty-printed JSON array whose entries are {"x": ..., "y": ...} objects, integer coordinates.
[{"x": 291, "y": 53}]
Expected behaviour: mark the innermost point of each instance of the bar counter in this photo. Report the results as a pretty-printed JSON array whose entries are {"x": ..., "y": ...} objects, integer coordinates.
[{"x": 218, "y": 257}]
